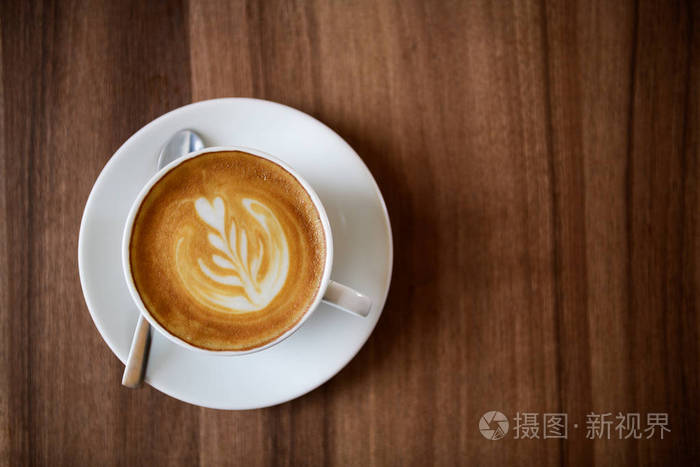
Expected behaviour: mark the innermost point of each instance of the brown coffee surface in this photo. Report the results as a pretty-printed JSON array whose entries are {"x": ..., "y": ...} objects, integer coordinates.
[{"x": 227, "y": 251}]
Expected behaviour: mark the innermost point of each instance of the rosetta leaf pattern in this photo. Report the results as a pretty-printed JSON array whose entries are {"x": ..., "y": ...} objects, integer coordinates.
[{"x": 243, "y": 288}]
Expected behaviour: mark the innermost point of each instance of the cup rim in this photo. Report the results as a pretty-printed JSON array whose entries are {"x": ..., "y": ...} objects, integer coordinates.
[{"x": 136, "y": 205}]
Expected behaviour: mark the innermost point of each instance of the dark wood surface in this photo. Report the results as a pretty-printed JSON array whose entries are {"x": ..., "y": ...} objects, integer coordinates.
[{"x": 539, "y": 160}]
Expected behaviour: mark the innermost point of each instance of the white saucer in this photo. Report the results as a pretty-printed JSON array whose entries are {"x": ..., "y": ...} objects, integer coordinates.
[{"x": 362, "y": 260}]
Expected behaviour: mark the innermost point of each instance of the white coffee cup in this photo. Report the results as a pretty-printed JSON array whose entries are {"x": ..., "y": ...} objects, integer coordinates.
[{"x": 333, "y": 293}]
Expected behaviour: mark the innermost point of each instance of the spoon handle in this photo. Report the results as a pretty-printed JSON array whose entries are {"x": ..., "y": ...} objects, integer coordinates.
[{"x": 136, "y": 362}]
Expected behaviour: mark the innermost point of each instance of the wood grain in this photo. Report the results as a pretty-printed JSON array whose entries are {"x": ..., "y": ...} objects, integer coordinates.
[{"x": 539, "y": 160}]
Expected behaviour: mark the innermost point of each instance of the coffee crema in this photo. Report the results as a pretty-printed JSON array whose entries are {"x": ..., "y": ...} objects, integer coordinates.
[{"x": 227, "y": 251}]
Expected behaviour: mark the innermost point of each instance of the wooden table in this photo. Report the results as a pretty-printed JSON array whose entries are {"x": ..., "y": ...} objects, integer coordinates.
[{"x": 540, "y": 165}]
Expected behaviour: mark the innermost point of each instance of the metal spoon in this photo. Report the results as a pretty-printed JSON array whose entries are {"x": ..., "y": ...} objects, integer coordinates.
[{"x": 182, "y": 143}]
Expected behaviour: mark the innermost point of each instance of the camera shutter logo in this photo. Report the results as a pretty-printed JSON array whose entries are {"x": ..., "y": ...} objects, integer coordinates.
[{"x": 493, "y": 425}]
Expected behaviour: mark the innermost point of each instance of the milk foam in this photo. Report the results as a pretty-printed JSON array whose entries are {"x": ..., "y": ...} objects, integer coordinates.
[
  {"x": 227, "y": 251},
  {"x": 249, "y": 259}
]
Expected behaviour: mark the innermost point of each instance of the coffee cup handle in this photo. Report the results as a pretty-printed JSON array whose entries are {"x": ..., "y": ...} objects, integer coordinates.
[{"x": 347, "y": 299}]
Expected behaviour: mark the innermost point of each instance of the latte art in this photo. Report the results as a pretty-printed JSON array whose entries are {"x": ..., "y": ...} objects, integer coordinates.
[
  {"x": 227, "y": 251},
  {"x": 240, "y": 252}
]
